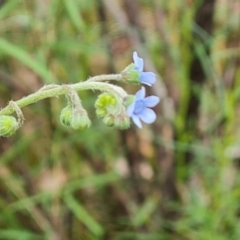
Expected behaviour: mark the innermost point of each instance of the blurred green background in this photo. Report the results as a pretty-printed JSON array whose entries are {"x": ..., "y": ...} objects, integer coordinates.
[{"x": 177, "y": 179}]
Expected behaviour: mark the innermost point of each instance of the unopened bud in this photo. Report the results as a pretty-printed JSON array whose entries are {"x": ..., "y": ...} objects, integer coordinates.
[
  {"x": 66, "y": 116},
  {"x": 130, "y": 74},
  {"x": 101, "y": 113},
  {"x": 8, "y": 126},
  {"x": 109, "y": 120},
  {"x": 122, "y": 121},
  {"x": 105, "y": 104},
  {"x": 80, "y": 119}
]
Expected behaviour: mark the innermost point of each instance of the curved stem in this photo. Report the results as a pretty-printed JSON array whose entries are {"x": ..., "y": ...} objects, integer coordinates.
[
  {"x": 109, "y": 77},
  {"x": 57, "y": 90}
]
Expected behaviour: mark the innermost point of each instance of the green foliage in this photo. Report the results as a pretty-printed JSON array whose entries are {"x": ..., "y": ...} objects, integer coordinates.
[{"x": 176, "y": 180}]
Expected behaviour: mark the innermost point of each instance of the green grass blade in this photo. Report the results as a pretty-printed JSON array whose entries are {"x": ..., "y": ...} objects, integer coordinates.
[
  {"x": 12, "y": 234},
  {"x": 79, "y": 211},
  {"x": 7, "y": 7},
  {"x": 96, "y": 181},
  {"x": 21, "y": 55},
  {"x": 144, "y": 212},
  {"x": 74, "y": 14}
]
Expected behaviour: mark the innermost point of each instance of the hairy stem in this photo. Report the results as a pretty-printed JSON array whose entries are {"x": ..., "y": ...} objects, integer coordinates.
[
  {"x": 55, "y": 90},
  {"x": 109, "y": 77}
]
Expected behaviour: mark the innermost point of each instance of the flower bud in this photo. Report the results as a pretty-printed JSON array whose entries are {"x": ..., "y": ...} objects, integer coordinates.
[
  {"x": 66, "y": 116},
  {"x": 105, "y": 104},
  {"x": 80, "y": 119},
  {"x": 122, "y": 121},
  {"x": 76, "y": 117},
  {"x": 131, "y": 75},
  {"x": 101, "y": 113},
  {"x": 109, "y": 120},
  {"x": 8, "y": 125}
]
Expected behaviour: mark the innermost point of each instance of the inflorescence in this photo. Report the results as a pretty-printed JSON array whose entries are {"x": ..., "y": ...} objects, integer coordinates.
[{"x": 114, "y": 105}]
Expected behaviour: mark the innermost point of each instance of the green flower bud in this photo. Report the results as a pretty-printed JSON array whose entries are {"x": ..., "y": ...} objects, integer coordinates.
[
  {"x": 66, "y": 116},
  {"x": 80, "y": 119},
  {"x": 130, "y": 74},
  {"x": 101, "y": 113},
  {"x": 8, "y": 126},
  {"x": 105, "y": 104},
  {"x": 122, "y": 121},
  {"x": 109, "y": 120}
]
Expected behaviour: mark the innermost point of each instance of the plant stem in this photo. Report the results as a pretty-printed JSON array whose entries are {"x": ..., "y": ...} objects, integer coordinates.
[
  {"x": 57, "y": 90},
  {"x": 109, "y": 77}
]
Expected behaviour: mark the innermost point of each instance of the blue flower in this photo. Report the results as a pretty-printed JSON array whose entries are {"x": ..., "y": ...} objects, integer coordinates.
[
  {"x": 148, "y": 78},
  {"x": 139, "y": 109}
]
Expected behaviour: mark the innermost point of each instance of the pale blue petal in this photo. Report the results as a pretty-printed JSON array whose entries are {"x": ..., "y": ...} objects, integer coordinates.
[
  {"x": 130, "y": 109},
  {"x": 140, "y": 94},
  {"x": 137, "y": 121},
  {"x": 138, "y": 62},
  {"x": 151, "y": 101},
  {"x": 148, "y": 78},
  {"x": 148, "y": 116}
]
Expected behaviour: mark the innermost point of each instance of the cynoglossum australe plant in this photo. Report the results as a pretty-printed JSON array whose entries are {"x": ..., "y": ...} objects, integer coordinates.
[{"x": 114, "y": 105}]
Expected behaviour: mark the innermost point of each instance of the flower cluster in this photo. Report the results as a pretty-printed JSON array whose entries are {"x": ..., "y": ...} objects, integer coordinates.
[
  {"x": 114, "y": 106},
  {"x": 139, "y": 109},
  {"x": 113, "y": 114}
]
